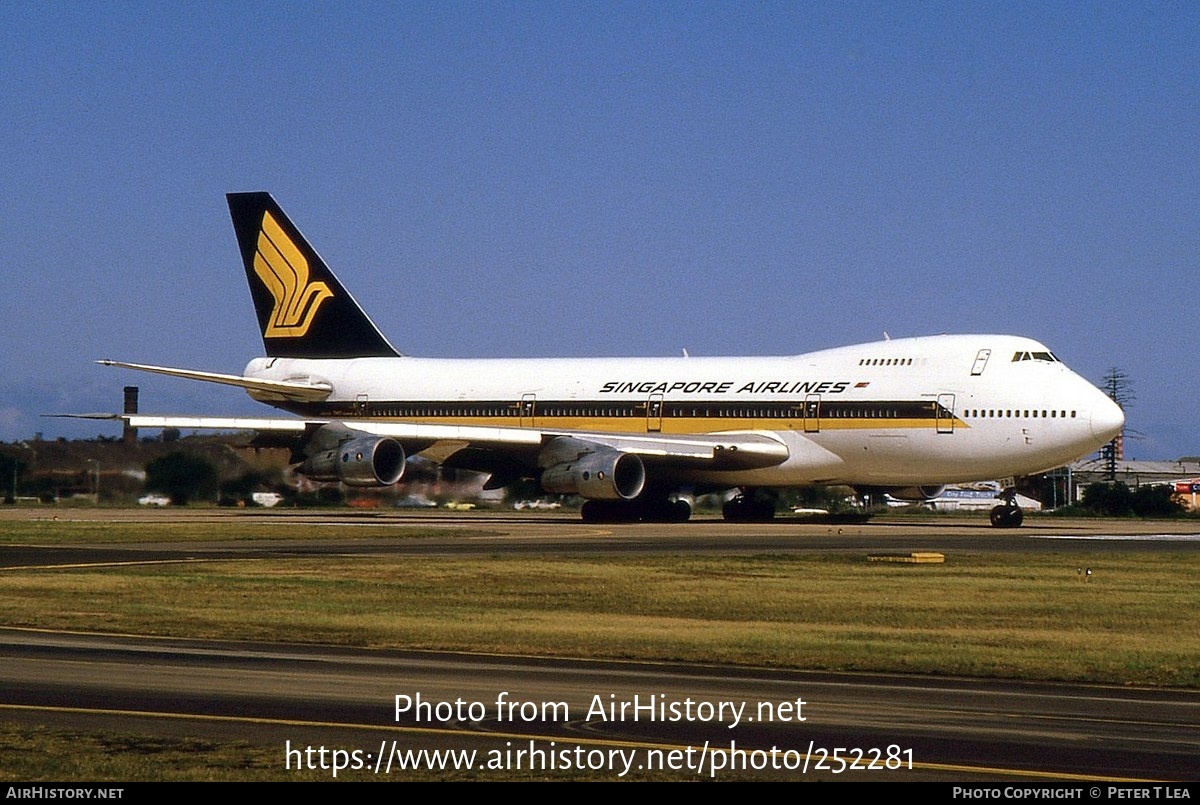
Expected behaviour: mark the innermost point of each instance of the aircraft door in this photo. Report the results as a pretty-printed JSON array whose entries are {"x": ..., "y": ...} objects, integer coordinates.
[
  {"x": 654, "y": 413},
  {"x": 981, "y": 359},
  {"x": 812, "y": 413},
  {"x": 360, "y": 405},
  {"x": 528, "y": 408},
  {"x": 944, "y": 416}
]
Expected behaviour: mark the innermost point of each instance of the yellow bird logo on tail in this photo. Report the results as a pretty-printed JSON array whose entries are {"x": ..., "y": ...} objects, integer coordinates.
[{"x": 284, "y": 270}]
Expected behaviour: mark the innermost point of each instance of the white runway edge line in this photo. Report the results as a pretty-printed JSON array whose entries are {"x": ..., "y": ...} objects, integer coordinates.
[{"x": 1123, "y": 537}]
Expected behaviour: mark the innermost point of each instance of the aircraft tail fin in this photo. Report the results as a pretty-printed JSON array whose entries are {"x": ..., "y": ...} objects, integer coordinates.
[{"x": 303, "y": 311}]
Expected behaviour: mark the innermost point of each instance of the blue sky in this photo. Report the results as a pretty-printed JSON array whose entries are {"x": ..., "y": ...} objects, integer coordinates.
[{"x": 533, "y": 179}]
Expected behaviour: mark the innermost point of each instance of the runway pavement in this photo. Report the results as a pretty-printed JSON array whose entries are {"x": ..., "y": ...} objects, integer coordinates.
[
  {"x": 486, "y": 533},
  {"x": 312, "y": 697},
  {"x": 557, "y": 716}
]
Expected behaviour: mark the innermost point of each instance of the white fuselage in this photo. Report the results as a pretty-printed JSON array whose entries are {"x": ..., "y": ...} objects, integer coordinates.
[{"x": 931, "y": 410}]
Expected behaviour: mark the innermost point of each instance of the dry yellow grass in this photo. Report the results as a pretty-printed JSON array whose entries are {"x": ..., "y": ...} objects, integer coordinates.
[{"x": 1003, "y": 615}]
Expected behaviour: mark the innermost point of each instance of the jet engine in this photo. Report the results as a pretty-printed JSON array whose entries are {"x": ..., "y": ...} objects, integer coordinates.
[
  {"x": 575, "y": 467},
  {"x": 360, "y": 461}
]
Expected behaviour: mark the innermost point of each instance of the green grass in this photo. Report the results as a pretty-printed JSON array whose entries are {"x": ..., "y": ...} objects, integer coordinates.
[
  {"x": 32, "y": 754},
  {"x": 58, "y": 528},
  {"x": 38, "y": 753}
]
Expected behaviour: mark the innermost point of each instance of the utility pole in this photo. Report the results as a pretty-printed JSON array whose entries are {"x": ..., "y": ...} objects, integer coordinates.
[
  {"x": 97, "y": 463},
  {"x": 1117, "y": 386}
]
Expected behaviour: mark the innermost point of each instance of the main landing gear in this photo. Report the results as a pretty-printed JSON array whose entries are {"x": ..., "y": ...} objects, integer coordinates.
[
  {"x": 750, "y": 506},
  {"x": 1008, "y": 514},
  {"x": 646, "y": 510}
]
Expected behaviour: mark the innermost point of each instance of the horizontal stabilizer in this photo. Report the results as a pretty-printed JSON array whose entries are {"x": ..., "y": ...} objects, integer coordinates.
[{"x": 258, "y": 388}]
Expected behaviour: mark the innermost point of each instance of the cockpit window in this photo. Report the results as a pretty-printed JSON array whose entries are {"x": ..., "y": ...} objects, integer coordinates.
[{"x": 1048, "y": 357}]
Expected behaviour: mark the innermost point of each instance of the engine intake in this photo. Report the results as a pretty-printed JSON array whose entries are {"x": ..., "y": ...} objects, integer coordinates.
[
  {"x": 363, "y": 461},
  {"x": 576, "y": 467}
]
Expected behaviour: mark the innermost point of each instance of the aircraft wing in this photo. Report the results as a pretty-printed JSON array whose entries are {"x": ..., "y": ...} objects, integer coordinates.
[
  {"x": 726, "y": 451},
  {"x": 733, "y": 450}
]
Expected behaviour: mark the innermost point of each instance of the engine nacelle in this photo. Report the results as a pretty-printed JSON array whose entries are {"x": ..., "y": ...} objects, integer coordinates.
[
  {"x": 916, "y": 494},
  {"x": 362, "y": 461},
  {"x": 596, "y": 473}
]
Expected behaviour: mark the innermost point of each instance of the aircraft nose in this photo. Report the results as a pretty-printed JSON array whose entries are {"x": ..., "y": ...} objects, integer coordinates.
[{"x": 1107, "y": 418}]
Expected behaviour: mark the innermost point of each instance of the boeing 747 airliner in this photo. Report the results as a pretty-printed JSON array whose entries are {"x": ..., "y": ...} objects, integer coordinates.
[{"x": 636, "y": 436}]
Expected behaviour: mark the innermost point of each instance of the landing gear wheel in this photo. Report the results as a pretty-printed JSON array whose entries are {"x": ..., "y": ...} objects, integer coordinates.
[
  {"x": 609, "y": 511},
  {"x": 632, "y": 511},
  {"x": 681, "y": 511},
  {"x": 747, "y": 510},
  {"x": 1007, "y": 517}
]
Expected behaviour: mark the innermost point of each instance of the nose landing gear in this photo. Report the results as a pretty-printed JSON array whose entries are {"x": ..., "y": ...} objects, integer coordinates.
[{"x": 1009, "y": 514}]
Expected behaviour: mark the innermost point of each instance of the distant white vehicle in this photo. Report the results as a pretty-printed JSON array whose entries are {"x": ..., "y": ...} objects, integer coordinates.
[
  {"x": 154, "y": 500},
  {"x": 537, "y": 504},
  {"x": 415, "y": 502},
  {"x": 267, "y": 499}
]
